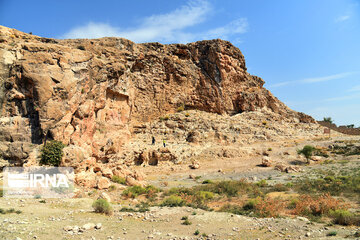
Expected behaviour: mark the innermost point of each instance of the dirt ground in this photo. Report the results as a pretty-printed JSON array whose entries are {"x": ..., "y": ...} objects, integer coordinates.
[{"x": 46, "y": 219}]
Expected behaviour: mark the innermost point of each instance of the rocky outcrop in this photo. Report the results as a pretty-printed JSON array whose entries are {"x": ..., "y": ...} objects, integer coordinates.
[{"x": 93, "y": 94}]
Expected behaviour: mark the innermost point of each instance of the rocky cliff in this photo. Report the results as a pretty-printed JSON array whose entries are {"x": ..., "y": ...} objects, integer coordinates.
[{"x": 92, "y": 93}]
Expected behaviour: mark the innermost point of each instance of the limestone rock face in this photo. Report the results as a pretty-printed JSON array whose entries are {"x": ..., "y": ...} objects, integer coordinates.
[{"x": 91, "y": 94}]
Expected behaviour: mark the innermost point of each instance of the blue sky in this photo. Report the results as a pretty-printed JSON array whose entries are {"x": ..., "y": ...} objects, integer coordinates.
[{"x": 307, "y": 51}]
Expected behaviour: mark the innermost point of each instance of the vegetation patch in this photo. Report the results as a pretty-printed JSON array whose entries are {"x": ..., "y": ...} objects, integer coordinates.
[
  {"x": 173, "y": 201},
  {"x": 142, "y": 207},
  {"x": 52, "y": 153},
  {"x": 344, "y": 217},
  {"x": 102, "y": 206},
  {"x": 119, "y": 180},
  {"x": 334, "y": 184},
  {"x": 11, "y": 210},
  {"x": 134, "y": 191}
]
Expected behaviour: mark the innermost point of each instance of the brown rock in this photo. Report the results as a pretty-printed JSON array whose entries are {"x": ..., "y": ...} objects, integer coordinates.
[
  {"x": 316, "y": 158},
  {"x": 194, "y": 165},
  {"x": 107, "y": 172},
  {"x": 291, "y": 169},
  {"x": 266, "y": 162},
  {"x": 105, "y": 196},
  {"x": 281, "y": 167},
  {"x": 130, "y": 181},
  {"x": 103, "y": 183},
  {"x": 86, "y": 179}
]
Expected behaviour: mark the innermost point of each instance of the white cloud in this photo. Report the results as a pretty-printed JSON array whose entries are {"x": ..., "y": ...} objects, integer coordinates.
[
  {"x": 169, "y": 27},
  {"x": 342, "y": 18},
  {"x": 326, "y": 78},
  {"x": 350, "y": 12},
  {"x": 355, "y": 88},
  {"x": 315, "y": 79},
  {"x": 235, "y": 27},
  {"x": 92, "y": 30},
  {"x": 342, "y": 98}
]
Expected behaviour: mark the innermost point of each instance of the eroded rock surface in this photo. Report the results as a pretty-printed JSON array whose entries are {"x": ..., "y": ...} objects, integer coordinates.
[{"x": 94, "y": 95}]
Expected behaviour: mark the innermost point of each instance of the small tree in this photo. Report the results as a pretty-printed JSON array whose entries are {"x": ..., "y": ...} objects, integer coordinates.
[
  {"x": 52, "y": 153},
  {"x": 328, "y": 119},
  {"x": 307, "y": 151}
]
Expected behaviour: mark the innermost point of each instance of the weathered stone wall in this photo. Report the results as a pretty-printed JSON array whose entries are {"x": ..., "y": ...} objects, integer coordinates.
[{"x": 342, "y": 129}]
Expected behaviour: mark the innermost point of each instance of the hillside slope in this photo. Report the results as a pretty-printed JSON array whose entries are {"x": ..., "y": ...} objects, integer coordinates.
[{"x": 93, "y": 94}]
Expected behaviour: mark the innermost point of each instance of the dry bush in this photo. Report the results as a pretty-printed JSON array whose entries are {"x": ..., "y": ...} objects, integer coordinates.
[
  {"x": 317, "y": 206},
  {"x": 269, "y": 207}
]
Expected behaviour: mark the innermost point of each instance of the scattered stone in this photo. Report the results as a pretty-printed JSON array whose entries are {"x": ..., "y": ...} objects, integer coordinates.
[
  {"x": 105, "y": 196},
  {"x": 302, "y": 219},
  {"x": 316, "y": 158},
  {"x": 88, "y": 226},
  {"x": 266, "y": 162},
  {"x": 98, "y": 226},
  {"x": 194, "y": 165},
  {"x": 288, "y": 169},
  {"x": 192, "y": 176},
  {"x": 68, "y": 228}
]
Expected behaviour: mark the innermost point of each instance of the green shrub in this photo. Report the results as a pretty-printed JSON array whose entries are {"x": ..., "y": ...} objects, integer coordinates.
[
  {"x": 180, "y": 108},
  {"x": 230, "y": 208},
  {"x": 173, "y": 201},
  {"x": 307, "y": 151},
  {"x": 203, "y": 196},
  {"x": 52, "y": 153},
  {"x": 207, "y": 181},
  {"x": 117, "y": 179},
  {"x": 250, "y": 205},
  {"x": 112, "y": 187},
  {"x": 344, "y": 217},
  {"x": 197, "y": 232},
  {"x": 165, "y": 118},
  {"x": 102, "y": 206},
  {"x": 332, "y": 233},
  {"x": 135, "y": 191},
  {"x": 142, "y": 207},
  {"x": 230, "y": 188},
  {"x": 1, "y": 193},
  {"x": 11, "y": 210},
  {"x": 262, "y": 183},
  {"x": 335, "y": 185},
  {"x": 328, "y": 119},
  {"x": 279, "y": 187},
  {"x": 184, "y": 218},
  {"x": 187, "y": 222}
]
